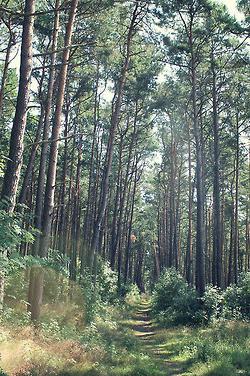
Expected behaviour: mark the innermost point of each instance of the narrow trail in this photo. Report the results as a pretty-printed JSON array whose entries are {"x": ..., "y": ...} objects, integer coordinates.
[{"x": 151, "y": 339}]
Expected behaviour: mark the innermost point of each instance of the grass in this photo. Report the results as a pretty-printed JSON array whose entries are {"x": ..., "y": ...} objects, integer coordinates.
[
  {"x": 63, "y": 343},
  {"x": 122, "y": 341},
  {"x": 124, "y": 344},
  {"x": 106, "y": 348},
  {"x": 222, "y": 349}
]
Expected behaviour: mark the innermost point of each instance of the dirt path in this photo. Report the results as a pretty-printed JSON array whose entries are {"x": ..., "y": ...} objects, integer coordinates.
[{"x": 149, "y": 335}]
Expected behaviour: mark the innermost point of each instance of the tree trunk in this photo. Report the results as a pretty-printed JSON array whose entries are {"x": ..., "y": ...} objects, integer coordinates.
[
  {"x": 46, "y": 127},
  {"x": 62, "y": 211},
  {"x": 189, "y": 256},
  {"x": 14, "y": 164},
  {"x": 30, "y": 166},
  {"x": 76, "y": 221},
  {"x": 172, "y": 202},
  {"x": 217, "y": 251},
  {"x": 236, "y": 207},
  {"x": 114, "y": 123},
  {"x": 51, "y": 175},
  {"x": 5, "y": 69},
  {"x": 129, "y": 241},
  {"x": 200, "y": 256}
]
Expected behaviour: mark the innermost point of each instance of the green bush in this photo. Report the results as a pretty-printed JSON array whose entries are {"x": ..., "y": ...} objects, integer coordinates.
[
  {"x": 231, "y": 308},
  {"x": 174, "y": 301},
  {"x": 132, "y": 294},
  {"x": 101, "y": 293},
  {"x": 220, "y": 348},
  {"x": 237, "y": 298},
  {"x": 12, "y": 232},
  {"x": 107, "y": 281},
  {"x": 212, "y": 303},
  {"x": 244, "y": 294}
]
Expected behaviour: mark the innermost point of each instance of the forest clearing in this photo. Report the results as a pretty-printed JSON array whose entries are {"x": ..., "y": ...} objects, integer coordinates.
[{"x": 124, "y": 188}]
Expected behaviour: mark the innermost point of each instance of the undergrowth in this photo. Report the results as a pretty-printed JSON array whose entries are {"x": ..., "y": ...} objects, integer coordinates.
[
  {"x": 219, "y": 349},
  {"x": 80, "y": 331}
]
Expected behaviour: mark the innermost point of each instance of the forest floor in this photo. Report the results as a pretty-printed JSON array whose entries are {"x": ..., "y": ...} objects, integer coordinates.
[
  {"x": 150, "y": 336},
  {"x": 219, "y": 349},
  {"x": 124, "y": 341}
]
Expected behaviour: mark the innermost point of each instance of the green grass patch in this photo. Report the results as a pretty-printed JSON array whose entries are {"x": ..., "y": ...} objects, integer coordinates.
[{"x": 220, "y": 349}]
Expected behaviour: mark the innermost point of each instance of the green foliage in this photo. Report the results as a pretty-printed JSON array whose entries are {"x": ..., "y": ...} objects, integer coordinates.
[
  {"x": 212, "y": 303},
  {"x": 132, "y": 294},
  {"x": 244, "y": 294},
  {"x": 100, "y": 293},
  {"x": 14, "y": 317},
  {"x": 174, "y": 301},
  {"x": 233, "y": 303},
  {"x": 221, "y": 349},
  {"x": 237, "y": 298},
  {"x": 11, "y": 231},
  {"x": 107, "y": 280}
]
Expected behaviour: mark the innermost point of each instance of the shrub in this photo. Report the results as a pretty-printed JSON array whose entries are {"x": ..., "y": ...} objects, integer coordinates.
[
  {"x": 99, "y": 294},
  {"x": 220, "y": 349},
  {"x": 231, "y": 307},
  {"x": 107, "y": 280},
  {"x": 173, "y": 300},
  {"x": 212, "y": 303},
  {"x": 237, "y": 298},
  {"x": 244, "y": 294},
  {"x": 12, "y": 232},
  {"x": 132, "y": 294}
]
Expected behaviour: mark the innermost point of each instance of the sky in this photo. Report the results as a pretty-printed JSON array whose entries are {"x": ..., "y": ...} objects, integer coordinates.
[{"x": 232, "y": 8}]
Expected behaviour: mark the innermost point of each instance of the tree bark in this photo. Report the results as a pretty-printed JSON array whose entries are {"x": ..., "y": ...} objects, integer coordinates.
[
  {"x": 114, "y": 123},
  {"x": 200, "y": 249},
  {"x": 46, "y": 127},
  {"x": 236, "y": 207},
  {"x": 5, "y": 68},
  {"x": 14, "y": 164},
  {"x": 51, "y": 175},
  {"x": 189, "y": 256},
  {"x": 217, "y": 245}
]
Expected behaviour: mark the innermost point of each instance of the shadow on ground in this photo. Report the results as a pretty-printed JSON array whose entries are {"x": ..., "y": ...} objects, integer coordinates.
[{"x": 150, "y": 337}]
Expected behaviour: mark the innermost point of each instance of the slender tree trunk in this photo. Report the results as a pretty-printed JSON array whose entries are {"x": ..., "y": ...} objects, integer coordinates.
[
  {"x": 51, "y": 175},
  {"x": 177, "y": 222},
  {"x": 87, "y": 221},
  {"x": 14, "y": 164},
  {"x": 117, "y": 208},
  {"x": 5, "y": 69},
  {"x": 236, "y": 210},
  {"x": 230, "y": 257},
  {"x": 209, "y": 273},
  {"x": 114, "y": 123},
  {"x": 247, "y": 261},
  {"x": 172, "y": 203},
  {"x": 30, "y": 166},
  {"x": 62, "y": 212},
  {"x": 75, "y": 230},
  {"x": 217, "y": 251},
  {"x": 129, "y": 244},
  {"x": 189, "y": 257},
  {"x": 46, "y": 128},
  {"x": 200, "y": 249}
]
